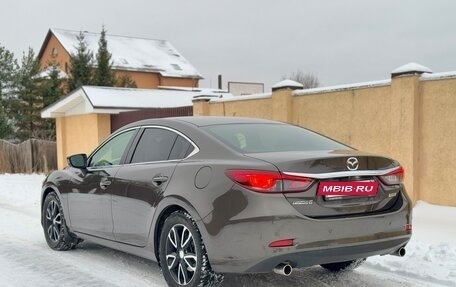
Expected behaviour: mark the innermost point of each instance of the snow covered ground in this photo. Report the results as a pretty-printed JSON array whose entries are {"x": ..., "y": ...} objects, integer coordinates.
[{"x": 25, "y": 259}]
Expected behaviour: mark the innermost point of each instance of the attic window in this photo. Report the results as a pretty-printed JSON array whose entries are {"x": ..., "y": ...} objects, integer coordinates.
[
  {"x": 176, "y": 67},
  {"x": 174, "y": 53},
  {"x": 54, "y": 52}
]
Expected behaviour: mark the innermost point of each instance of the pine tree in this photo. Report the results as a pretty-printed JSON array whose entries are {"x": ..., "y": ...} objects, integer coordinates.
[
  {"x": 126, "y": 81},
  {"x": 5, "y": 127},
  {"x": 27, "y": 103},
  {"x": 51, "y": 90},
  {"x": 104, "y": 76},
  {"x": 80, "y": 65},
  {"x": 8, "y": 66}
]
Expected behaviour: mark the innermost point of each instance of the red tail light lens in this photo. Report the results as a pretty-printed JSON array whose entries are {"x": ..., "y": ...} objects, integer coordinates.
[
  {"x": 263, "y": 181},
  {"x": 394, "y": 177},
  {"x": 268, "y": 181}
]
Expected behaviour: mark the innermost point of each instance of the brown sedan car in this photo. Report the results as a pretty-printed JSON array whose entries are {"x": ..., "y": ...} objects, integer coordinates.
[{"x": 205, "y": 196}]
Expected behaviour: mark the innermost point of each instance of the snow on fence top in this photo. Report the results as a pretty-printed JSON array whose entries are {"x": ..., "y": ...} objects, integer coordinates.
[
  {"x": 134, "y": 54},
  {"x": 411, "y": 68},
  {"x": 342, "y": 87},
  {"x": 242, "y": 98},
  {"x": 287, "y": 84},
  {"x": 438, "y": 76}
]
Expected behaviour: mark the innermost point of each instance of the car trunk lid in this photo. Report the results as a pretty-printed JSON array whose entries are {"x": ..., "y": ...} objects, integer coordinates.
[{"x": 337, "y": 168}]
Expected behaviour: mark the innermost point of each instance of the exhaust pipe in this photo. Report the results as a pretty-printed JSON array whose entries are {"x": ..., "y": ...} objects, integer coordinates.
[
  {"x": 400, "y": 252},
  {"x": 283, "y": 269}
]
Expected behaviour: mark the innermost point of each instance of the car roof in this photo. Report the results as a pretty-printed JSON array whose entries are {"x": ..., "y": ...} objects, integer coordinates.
[
  {"x": 201, "y": 121},
  {"x": 210, "y": 120}
]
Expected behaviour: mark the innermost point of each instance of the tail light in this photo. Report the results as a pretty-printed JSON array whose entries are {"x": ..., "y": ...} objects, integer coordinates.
[
  {"x": 394, "y": 177},
  {"x": 269, "y": 181}
]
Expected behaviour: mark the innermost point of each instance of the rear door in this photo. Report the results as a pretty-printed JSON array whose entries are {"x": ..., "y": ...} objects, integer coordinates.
[{"x": 141, "y": 183}]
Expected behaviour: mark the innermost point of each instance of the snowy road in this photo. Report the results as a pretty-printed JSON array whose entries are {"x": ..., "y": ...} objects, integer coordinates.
[{"x": 25, "y": 259}]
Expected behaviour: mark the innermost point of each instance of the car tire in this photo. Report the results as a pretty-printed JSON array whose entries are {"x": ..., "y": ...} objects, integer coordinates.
[
  {"x": 343, "y": 266},
  {"x": 54, "y": 225},
  {"x": 184, "y": 263}
]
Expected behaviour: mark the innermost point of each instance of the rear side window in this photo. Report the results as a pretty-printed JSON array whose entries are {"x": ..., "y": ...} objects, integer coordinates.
[
  {"x": 181, "y": 149},
  {"x": 154, "y": 145},
  {"x": 257, "y": 138}
]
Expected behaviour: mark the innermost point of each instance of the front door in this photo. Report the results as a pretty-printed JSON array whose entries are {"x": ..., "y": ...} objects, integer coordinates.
[{"x": 90, "y": 195}]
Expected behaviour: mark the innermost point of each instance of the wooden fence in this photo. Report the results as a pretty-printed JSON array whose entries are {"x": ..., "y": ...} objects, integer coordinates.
[{"x": 28, "y": 157}]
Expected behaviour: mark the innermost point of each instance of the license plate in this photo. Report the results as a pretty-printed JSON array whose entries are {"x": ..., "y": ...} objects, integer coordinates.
[{"x": 347, "y": 188}]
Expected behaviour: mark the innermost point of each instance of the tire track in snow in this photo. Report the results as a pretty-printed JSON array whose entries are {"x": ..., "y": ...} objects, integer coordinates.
[
  {"x": 42, "y": 269},
  {"x": 26, "y": 260},
  {"x": 21, "y": 210}
]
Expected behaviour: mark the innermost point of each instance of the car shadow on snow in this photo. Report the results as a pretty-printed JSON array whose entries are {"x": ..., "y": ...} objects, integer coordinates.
[
  {"x": 316, "y": 277},
  {"x": 150, "y": 272}
]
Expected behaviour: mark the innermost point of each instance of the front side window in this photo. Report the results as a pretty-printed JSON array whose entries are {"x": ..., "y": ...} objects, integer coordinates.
[{"x": 111, "y": 152}]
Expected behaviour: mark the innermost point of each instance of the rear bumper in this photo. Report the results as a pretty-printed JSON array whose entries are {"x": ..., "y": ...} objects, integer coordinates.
[
  {"x": 328, "y": 255},
  {"x": 241, "y": 245}
]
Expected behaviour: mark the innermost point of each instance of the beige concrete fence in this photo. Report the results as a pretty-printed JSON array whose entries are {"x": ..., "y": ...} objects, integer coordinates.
[
  {"x": 28, "y": 157},
  {"x": 410, "y": 117}
]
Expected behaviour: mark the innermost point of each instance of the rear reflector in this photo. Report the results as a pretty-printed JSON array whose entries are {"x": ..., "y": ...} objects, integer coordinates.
[
  {"x": 408, "y": 227},
  {"x": 281, "y": 243},
  {"x": 394, "y": 177},
  {"x": 268, "y": 181}
]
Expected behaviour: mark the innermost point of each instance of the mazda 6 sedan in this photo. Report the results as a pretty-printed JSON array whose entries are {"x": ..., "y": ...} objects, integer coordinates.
[{"x": 205, "y": 196}]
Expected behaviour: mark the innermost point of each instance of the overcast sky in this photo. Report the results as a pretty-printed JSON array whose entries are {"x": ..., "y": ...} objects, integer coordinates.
[{"x": 259, "y": 41}]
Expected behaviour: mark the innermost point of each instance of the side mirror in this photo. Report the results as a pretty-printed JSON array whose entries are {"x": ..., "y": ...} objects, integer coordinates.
[{"x": 78, "y": 161}]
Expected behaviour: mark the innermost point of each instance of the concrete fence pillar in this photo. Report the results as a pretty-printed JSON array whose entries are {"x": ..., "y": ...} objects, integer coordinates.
[
  {"x": 282, "y": 100},
  {"x": 201, "y": 106},
  {"x": 405, "y": 129},
  {"x": 61, "y": 142}
]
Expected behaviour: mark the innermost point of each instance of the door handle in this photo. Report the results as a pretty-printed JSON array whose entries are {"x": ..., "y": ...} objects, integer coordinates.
[
  {"x": 159, "y": 179},
  {"x": 104, "y": 183}
]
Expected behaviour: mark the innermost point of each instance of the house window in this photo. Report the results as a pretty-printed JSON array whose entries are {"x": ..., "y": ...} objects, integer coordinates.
[
  {"x": 176, "y": 67},
  {"x": 54, "y": 52}
]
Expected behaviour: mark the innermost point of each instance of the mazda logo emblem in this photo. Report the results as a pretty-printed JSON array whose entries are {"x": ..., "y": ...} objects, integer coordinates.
[{"x": 352, "y": 163}]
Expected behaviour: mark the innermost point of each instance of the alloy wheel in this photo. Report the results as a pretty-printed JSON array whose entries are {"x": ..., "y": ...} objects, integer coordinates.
[
  {"x": 54, "y": 221},
  {"x": 181, "y": 254}
]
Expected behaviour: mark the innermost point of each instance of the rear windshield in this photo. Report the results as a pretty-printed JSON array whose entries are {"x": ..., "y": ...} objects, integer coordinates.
[{"x": 257, "y": 138}]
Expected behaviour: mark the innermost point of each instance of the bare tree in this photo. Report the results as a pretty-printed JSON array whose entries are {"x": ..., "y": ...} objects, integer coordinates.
[{"x": 308, "y": 80}]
